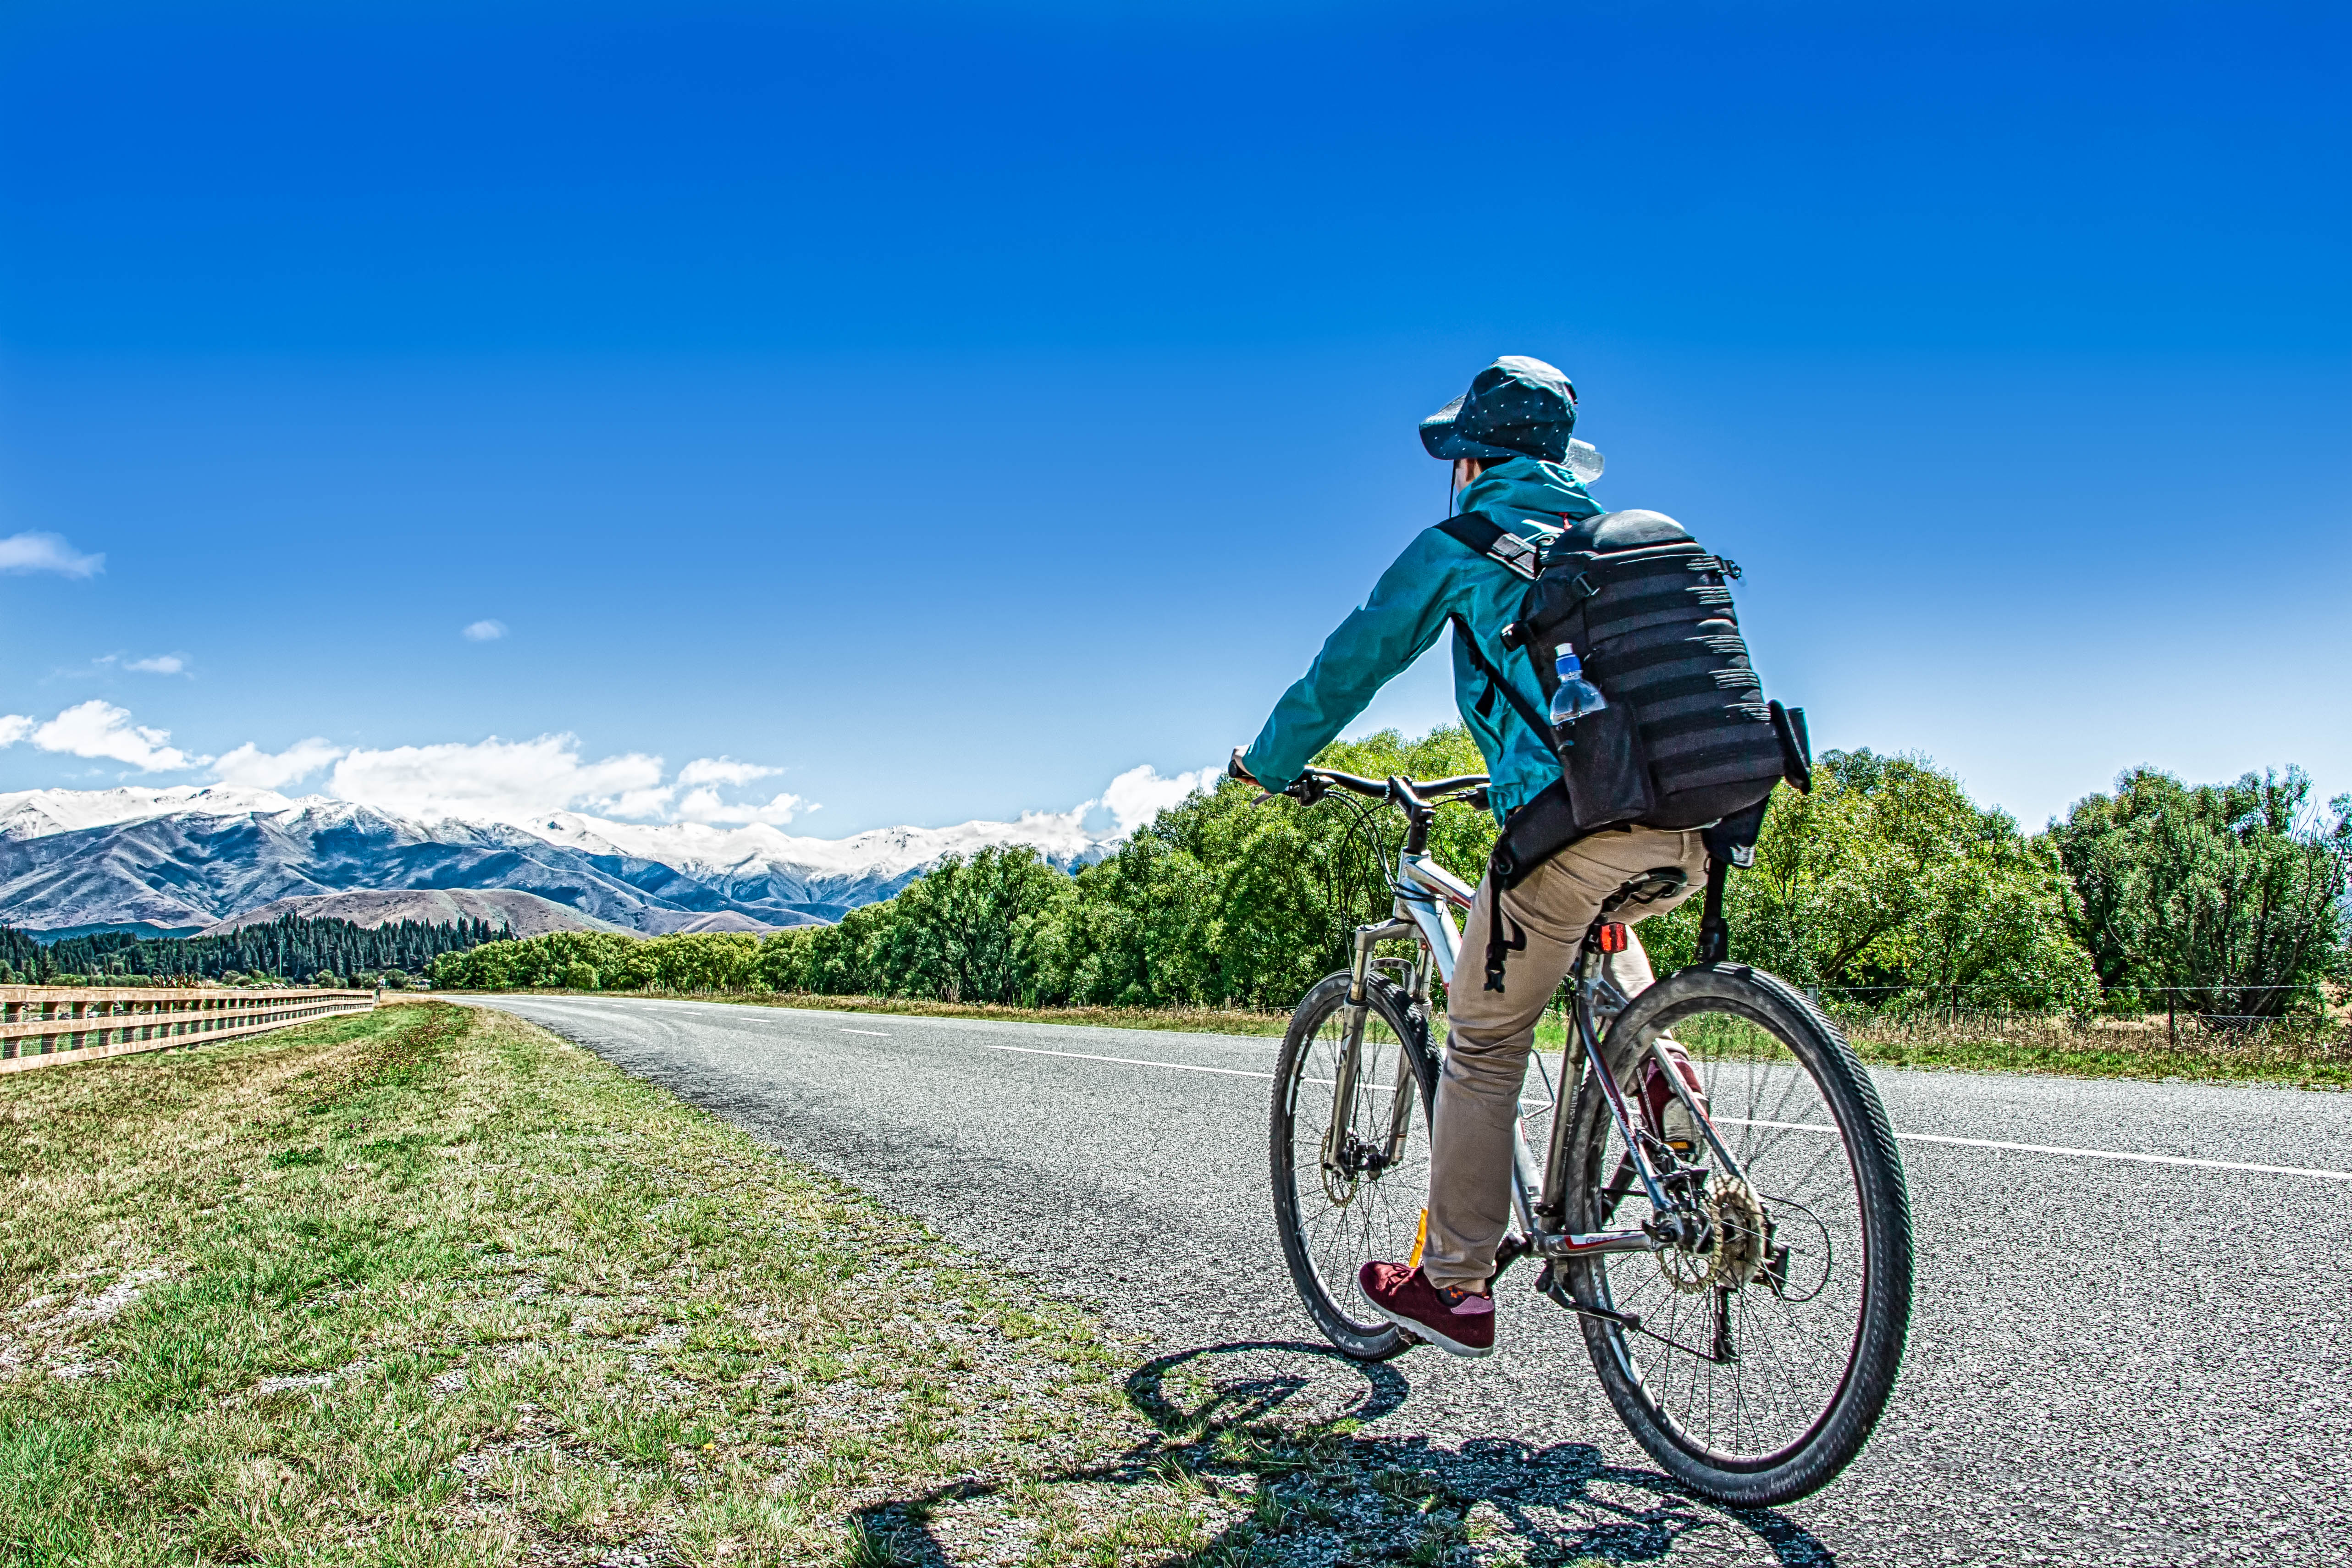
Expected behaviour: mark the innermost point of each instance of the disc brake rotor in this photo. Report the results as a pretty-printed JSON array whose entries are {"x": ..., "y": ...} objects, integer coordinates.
[{"x": 1339, "y": 1184}]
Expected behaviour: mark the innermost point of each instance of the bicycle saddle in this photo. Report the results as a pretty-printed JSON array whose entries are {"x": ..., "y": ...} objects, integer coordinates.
[{"x": 1657, "y": 883}]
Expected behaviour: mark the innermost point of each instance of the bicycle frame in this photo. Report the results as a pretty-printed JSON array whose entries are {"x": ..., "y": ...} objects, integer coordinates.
[{"x": 1426, "y": 893}]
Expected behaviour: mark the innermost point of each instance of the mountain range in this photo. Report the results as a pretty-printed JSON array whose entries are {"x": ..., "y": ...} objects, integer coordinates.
[{"x": 182, "y": 859}]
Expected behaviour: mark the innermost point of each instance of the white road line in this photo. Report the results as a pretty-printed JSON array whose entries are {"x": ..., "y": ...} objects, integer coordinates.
[
  {"x": 1789, "y": 1126},
  {"x": 1127, "y": 1061},
  {"x": 2059, "y": 1150},
  {"x": 2067, "y": 1152}
]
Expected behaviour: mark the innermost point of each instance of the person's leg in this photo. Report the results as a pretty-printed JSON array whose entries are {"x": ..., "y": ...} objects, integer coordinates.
[
  {"x": 1489, "y": 1033},
  {"x": 1488, "y": 1037}
]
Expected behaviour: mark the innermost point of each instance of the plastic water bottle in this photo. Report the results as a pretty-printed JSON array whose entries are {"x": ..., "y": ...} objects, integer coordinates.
[{"x": 1575, "y": 696}]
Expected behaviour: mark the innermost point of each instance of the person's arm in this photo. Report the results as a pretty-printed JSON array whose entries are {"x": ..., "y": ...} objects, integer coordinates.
[{"x": 1372, "y": 646}]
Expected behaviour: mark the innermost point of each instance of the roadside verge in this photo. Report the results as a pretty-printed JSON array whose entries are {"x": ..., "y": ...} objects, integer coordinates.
[{"x": 433, "y": 1285}]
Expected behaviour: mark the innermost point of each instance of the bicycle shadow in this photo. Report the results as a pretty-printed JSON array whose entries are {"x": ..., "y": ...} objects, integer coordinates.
[{"x": 1264, "y": 1437}]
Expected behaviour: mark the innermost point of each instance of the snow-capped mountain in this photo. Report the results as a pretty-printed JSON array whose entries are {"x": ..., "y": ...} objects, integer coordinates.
[
  {"x": 34, "y": 813},
  {"x": 759, "y": 867},
  {"x": 182, "y": 858}
]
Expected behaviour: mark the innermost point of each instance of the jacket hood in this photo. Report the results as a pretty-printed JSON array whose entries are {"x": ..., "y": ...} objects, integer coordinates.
[{"x": 1529, "y": 485}]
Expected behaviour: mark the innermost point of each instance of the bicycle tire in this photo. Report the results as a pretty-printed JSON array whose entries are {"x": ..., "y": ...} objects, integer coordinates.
[
  {"x": 1322, "y": 1268},
  {"x": 1881, "y": 1220}
]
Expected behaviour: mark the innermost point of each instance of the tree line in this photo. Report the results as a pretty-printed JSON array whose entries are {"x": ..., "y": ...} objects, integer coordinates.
[
  {"x": 289, "y": 948},
  {"x": 1886, "y": 885}
]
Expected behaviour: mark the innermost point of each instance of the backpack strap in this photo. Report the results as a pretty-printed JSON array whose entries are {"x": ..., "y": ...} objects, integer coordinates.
[
  {"x": 1494, "y": 682},
  {"x": 1481, "y": 535}
]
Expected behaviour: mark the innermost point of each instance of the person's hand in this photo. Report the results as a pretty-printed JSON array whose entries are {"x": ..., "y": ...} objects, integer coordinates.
[{"x": 1233, "y": 769}]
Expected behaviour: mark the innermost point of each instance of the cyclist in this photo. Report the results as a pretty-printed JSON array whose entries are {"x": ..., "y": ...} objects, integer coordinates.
[{"x": 1508, "y": 438}]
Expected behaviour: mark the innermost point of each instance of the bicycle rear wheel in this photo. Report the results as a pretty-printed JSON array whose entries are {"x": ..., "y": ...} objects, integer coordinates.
[
  {"x": 1760, "y": 1365},
  {"x": 1349, "y": 1190}
]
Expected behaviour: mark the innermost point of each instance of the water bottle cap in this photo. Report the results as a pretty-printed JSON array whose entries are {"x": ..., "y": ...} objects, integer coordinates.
[{"x": 1564, "y": 650}]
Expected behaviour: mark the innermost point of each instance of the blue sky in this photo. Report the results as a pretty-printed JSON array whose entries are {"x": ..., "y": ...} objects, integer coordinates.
[{"x": 949, "y": 408}]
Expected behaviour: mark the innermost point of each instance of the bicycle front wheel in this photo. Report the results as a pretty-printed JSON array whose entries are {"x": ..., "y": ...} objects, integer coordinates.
[
  {"x": 1349, "y": 1182},
  {"x": 1753, "y": 1368}
]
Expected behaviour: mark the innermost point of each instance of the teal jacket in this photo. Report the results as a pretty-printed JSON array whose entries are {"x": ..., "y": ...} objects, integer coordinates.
[{"x": 1436, "y": 579}]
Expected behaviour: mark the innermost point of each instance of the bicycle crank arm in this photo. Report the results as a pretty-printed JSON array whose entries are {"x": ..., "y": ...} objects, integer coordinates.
[{"x": 1550, "y": 1287}]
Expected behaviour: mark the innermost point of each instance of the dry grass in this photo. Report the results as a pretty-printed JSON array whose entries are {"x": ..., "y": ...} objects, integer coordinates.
[{"x": 2317, "y": 1054}]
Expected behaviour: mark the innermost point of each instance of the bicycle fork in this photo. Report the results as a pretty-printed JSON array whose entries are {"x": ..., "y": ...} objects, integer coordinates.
[{"x": 1342, "y": 1154}]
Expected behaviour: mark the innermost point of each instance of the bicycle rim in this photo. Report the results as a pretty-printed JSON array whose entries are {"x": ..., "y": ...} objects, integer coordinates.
[
  {"x": 1336, "y": 1209},
  {"x": 1756, "y": 1384}
]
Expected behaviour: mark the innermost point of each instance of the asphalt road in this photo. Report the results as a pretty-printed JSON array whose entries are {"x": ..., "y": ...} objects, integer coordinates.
[{"x": 2110, "y": 1361}]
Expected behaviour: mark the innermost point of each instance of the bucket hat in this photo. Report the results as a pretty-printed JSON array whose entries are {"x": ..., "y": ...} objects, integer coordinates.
[{"x": 1516, "y": 407}]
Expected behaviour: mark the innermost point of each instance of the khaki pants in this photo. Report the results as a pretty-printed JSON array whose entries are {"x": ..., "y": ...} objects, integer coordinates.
[{"x": 1491, "y": 1031}]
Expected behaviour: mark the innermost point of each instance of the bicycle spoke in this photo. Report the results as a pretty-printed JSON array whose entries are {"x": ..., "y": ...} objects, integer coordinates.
[{"x": 1787, "y": 1356}]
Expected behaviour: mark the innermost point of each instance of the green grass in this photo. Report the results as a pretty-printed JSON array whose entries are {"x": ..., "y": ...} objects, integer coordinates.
[{"x": 433, "y": 1287}]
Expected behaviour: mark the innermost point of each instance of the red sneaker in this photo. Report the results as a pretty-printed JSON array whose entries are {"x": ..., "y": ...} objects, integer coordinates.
[
  {"x": 1668, "y": 1121},
  {"x": 1462, "y": 1321}
]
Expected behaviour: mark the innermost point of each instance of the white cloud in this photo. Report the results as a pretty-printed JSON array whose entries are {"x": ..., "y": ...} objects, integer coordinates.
[
  {"x": 704, "y": 806},
  {"x": 14, "y": 727},
  {"x": 99, "y": 729},
  {"x": 512, "y": 781},
  {"x": 484, "y": 631},
  {"x": 720, "y": 770},
  {"x": 162, "y": 664},
  {"x": 47, "y": 553},
  {"x": 1139, "y": 794},
  {"x": 652, "y": 800},
  {"x": 250, "y": 765},
  {"x": 503, "y": 780}
]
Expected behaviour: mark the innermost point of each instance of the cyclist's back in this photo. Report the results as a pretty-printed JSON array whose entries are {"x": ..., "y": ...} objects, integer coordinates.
[
  {"x": 1439, "y": 581},
  {"x": 1508, "y": 438}
]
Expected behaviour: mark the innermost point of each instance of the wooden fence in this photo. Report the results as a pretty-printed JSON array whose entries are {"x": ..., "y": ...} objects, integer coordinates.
[{"x": 43, "y": 1025}]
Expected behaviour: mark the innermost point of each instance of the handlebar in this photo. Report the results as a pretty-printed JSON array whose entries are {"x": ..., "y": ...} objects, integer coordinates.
[{"x": 1316, "y": 782}]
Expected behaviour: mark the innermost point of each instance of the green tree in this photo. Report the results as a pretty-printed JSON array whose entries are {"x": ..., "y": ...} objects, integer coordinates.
[
  {"x": 1889, "y": 883},
  {"x": 967, "y": 930},
  {"x": 1229, "y": 897},
  {"x": 2228, "y": 898}
]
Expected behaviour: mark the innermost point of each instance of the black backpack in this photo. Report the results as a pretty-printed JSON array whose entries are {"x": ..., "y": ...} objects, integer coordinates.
[{"x": 1688, "y": 739}]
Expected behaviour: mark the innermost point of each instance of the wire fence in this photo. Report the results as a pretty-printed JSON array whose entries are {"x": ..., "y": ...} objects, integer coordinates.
[{"x": 2185, "y": 1038}]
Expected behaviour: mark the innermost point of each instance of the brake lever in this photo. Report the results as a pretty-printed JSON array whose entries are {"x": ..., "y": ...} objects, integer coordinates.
[{"x": 1305, "y": 790}]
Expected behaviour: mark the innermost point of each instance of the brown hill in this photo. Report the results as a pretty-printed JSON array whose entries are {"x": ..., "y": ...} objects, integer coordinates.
[{"x": 523, "y": 914}]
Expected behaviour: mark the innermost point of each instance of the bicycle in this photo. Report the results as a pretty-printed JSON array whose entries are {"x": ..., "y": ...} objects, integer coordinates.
[{"x": 1747, "y": 1328}]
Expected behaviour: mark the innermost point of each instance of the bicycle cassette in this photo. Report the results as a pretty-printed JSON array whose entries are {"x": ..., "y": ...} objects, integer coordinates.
[{"x": 1735, "y": 1218}]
